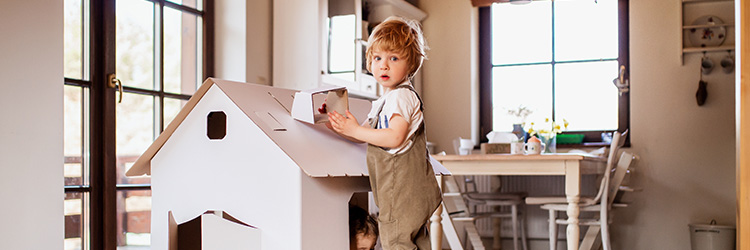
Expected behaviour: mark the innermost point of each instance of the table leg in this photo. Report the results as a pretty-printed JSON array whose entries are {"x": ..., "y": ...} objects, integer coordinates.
[
  {"x": 573, "y": 194},
  {"x": 436, "y": 227},
  {"x": 497, "y": 226}
]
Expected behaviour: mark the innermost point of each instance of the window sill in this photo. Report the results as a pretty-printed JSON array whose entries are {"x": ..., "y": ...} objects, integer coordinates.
[{"x": 584, "y": 145}]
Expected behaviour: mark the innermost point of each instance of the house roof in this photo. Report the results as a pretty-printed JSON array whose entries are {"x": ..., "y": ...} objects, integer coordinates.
[{"x": 317, "y": 151}]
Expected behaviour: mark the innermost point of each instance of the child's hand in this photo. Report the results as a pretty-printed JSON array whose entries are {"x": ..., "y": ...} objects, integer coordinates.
[{"x": 345, "y": 125}]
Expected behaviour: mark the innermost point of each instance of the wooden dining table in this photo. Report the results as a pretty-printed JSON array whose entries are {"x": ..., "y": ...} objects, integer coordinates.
[{"x": 572, "y": 166}]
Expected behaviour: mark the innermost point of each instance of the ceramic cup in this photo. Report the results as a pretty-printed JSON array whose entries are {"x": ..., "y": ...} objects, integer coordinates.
[
  {"x": 727, "y": 64},
  {"x": 533, "y": 148},
  {"x": 465, "y": 146},
  {"x": 706, "y": 65},
  {"x": 516, "y": 148}
]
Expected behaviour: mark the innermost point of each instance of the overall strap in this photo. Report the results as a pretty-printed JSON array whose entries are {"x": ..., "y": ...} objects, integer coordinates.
[
  {"x": 407, "y": 86},
  {"x": 421, "y": 129}
]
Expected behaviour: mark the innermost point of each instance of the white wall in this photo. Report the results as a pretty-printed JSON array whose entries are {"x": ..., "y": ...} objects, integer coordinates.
[
  {"x": 259, "y": 46},
  {"x": 296, "y": 43},
  {"x": 31, "y": 152},
  {"x": 687, "y": 169},
  {"x": 687, "y": 152},
  {"x": 243, "y": 40},
  {"x": 230, "y": 40},
  {"x": 450, "y": 79}
]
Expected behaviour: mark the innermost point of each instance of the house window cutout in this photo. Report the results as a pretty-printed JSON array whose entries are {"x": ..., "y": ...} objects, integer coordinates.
[{"x": 216, "y": 127}]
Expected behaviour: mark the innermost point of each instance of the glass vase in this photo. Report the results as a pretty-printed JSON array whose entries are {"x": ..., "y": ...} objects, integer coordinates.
[
  {"x": 550, "y": 143},
  {"x": 519, "y": 132}
]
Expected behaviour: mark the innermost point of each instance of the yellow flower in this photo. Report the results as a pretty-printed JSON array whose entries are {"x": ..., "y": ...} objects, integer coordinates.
[{"x": 548, "y": 129}]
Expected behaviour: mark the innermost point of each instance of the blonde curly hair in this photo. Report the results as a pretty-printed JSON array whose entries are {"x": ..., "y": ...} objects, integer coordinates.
[{"x": 401, "y": 36}]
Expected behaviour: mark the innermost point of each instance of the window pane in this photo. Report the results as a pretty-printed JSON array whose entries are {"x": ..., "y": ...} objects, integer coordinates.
[
  {"x": 171, "y": 108},
  {"x": 135, "y": 43},
  {"x": 520, "y": 86},
  {"x": 180, "y": 52},
  {"x": 585, "y": 30},
  {"x": 134, "y": 229},
  {"x": 341, "y": 44},
  {"x": 73, "y": 135},
  {"x": 73, "y": 208},
  {"x": 585, "y": 95},
  {"x": 73, "y": 45},
  {"x": 195, "y": 4},
  {"x": 135, "y": 131},
  {"x": 349, "y": 76},
  {"x": 522, "y": 33}
]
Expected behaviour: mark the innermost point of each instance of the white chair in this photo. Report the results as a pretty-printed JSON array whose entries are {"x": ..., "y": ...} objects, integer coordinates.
[
  {"x": 471, "y": 198},
  {"x": 608, "y": 188},
  {"x": 468, "y": 212}
]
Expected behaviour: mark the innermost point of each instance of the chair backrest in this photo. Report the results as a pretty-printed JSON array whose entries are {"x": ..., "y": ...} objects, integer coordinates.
[
  {"x": 470, "y": 183},
  {"x": 618, "y": 139},
  {"x": 626, "y": 160}
]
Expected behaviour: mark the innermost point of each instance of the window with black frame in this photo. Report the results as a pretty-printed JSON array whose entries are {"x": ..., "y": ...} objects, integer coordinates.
[
  {"x": 160, "y": 52},
  {"x": 554, "y": 61}
]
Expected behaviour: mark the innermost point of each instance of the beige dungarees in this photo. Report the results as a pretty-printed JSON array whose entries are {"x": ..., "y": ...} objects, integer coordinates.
[{"x": 405, "y": 191}]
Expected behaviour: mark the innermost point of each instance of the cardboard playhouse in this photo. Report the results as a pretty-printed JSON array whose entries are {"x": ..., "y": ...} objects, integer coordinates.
[{"x": 235, "y": 147}]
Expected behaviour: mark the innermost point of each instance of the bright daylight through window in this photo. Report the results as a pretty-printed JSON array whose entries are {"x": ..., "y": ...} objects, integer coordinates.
[
  {"x": 557, "y": 59},
  {"x": 158, "y": 50}
]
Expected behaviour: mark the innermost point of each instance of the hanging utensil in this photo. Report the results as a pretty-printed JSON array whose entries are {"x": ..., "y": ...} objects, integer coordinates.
[{"x": 702, "y": 93}]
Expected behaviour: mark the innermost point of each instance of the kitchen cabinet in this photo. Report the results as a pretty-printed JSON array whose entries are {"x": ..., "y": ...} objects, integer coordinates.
[
  {"x": 323, "y": 42},
  {"x": 707, "y": 26},
  {"x": 345, "y": 31}
]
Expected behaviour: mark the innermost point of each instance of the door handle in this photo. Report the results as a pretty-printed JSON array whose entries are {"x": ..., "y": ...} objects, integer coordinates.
[
  {"x": 622, "y": 84},
  {"x": 113, "y": 82}
]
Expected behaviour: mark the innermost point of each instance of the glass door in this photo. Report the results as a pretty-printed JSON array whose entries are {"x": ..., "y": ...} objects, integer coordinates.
[
  {"x": 157, "y": 53},
  {"x": 159, "y": 63}
]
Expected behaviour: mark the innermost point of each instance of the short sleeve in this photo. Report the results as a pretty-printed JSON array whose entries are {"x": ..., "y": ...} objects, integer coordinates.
[{"x": 403, "y": 102}]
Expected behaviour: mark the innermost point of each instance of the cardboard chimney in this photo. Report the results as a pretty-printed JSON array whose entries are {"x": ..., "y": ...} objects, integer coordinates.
[
  {"x": 304, "y": 108},
  {"x": 235, "y": 147}
]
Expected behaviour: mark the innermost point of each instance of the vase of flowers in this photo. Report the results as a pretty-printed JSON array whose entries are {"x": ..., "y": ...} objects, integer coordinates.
[
  {"x": 547, "y": 133},
  {"x": 518, "y": 126}
]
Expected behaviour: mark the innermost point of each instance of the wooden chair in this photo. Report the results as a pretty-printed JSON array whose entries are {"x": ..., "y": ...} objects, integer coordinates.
[
  {"x": 608, "y": 188},
  {"x": 495, "y": 200}
]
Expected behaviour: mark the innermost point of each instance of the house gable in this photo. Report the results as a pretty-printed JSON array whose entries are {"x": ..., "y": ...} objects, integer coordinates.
[{"x": 245, "y": 174}]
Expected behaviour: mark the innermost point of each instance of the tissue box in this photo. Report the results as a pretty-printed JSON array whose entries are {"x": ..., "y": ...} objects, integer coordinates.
[{"x": 495, "y": 148}]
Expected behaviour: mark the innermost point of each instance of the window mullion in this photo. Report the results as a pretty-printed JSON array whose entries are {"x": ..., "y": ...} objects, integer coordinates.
[
  {"x": 485, "y": 73},
  {"x": 103, "y": 209},
  {"x": 623, "y": 102},
  {"x": 159, "y": 102},
  {"x": 552, "y": 64}
]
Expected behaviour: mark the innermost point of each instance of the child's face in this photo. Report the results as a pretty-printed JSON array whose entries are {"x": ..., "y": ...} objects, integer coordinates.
[
  {"x": 363, "y": 242},
  {"x": 389, "y": 68}
]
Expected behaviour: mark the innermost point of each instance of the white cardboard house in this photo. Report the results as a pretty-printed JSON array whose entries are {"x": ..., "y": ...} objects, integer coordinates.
[{"x": 234, "y": 147}]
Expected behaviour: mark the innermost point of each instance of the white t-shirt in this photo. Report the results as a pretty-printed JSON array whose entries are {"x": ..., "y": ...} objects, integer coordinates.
[{"x": 400, "y": 101}]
